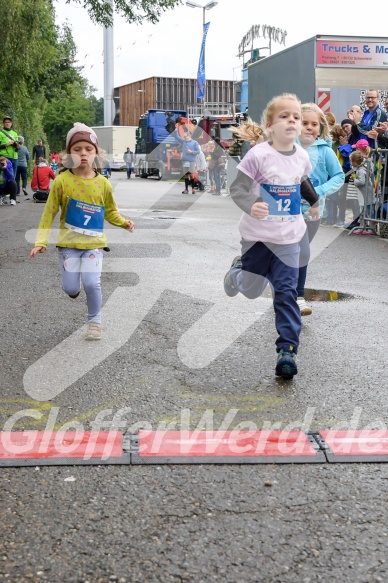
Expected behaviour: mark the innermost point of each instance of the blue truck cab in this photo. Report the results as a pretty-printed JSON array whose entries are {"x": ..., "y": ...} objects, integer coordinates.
[{"x": 156, "y": 148}]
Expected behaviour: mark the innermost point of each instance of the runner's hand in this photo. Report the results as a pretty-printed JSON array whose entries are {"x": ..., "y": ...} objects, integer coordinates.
[
  {"x": 259, "y": 210},
  {"x": 130, "y": 226},
  {"x": 314, "y": 213},
  {"x": 37, "y": 250}
]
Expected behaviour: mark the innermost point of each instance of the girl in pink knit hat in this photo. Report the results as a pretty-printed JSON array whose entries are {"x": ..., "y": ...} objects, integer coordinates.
[{"x": 85, "y": 199}]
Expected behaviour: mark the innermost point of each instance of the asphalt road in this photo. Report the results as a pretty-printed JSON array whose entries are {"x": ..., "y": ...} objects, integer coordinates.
[{"x": 177, "y": 350}]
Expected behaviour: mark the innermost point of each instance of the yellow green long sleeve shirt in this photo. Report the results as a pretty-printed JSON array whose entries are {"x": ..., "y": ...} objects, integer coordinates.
[
  {"x": 10, "y": 151},
  {"x": 96, "y": 191}
]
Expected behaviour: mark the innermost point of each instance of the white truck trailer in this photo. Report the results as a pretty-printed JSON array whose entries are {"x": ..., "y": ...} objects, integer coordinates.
[{"x": 115, "y": 140}]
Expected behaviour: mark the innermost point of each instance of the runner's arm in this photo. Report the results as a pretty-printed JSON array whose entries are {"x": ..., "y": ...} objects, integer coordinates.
[
  {"x": 307, "y": 191},
  {"x": 241, "y": 192}
]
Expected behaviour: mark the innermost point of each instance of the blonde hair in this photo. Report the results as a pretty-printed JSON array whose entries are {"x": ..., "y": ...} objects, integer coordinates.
[
  {"x": 356, "y": 158},
  {"x": 65, "y": 161},
  {"x": 269, "y": 111},
  {"x": 324, "y": 126},
  {"x": 249, "y": 130}
]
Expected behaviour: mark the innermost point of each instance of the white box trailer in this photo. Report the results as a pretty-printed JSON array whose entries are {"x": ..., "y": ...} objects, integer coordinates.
[
  {"x": 332, "y": 71},
  {"x": 114, "y": 140}
]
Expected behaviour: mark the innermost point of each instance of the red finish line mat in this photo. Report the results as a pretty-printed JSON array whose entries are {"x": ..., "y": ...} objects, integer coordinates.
[
  {"x": 224, "y": 447},
  {"x": 42, "y": 448},
  {"x": 367, "y": 445},
  {"x": 48, "y": 448}
]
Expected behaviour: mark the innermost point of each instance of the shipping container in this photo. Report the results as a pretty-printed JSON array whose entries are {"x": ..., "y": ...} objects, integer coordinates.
[{"x": 114, "y": 140}]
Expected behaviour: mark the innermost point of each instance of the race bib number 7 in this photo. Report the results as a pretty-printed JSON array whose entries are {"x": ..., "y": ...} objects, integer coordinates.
[
  {"x": 282, "y": 200},
  {"x": 85, "y": 218}
]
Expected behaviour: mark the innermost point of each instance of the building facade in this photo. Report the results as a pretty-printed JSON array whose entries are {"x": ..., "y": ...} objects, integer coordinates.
[
  {"x": 332, "y": 71},
  {"x": 165, "y": 93}
]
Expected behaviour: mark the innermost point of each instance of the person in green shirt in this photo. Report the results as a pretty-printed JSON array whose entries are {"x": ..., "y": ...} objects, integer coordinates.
[{"x": 9, "y": 144}]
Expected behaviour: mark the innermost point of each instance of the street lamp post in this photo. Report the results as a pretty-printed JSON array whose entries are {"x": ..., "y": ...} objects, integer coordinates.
[{"x": 207, "y": 6}]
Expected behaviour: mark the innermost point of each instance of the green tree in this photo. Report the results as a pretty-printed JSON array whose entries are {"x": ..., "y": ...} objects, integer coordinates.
[
  {"x": 41, "y": 86},
  {"x": 63, "y": 110},
  {"x": 28, "y": 39},
  {"x": 61, "y": 70},
  {"x": 101, "y": 11},
  {"x": 98, "y": 106}
]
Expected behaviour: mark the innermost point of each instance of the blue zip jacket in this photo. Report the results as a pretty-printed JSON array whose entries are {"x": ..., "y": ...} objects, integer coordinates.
[
  {"x": 327, "y": 175},
  {"x": 6, "y": 174},
  {"x": 191, "y": 145}
]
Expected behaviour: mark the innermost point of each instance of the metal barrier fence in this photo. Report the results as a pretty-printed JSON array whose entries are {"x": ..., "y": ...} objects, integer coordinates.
[{"x": 374, "y": 210}]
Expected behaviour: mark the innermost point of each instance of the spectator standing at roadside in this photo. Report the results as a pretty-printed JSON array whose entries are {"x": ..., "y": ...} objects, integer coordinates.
[
  {"x": 190, "y": 151},
  {"x": 371, "y": 118},
  {"x": 330, "y": 118},
  {"x": 38, "y": 151},
  {"x": 354, "y": 113},
  {"x": 207, "y": 150},
  {"x": 380, "y": 132},
  {"x": 22, "y": 169},
  {"x": 215, "y": 164},
  {"x": 200, "y": 174},
  {"x": 363, "y": 180},
  {"x": 327, "y": 178},
  {"x": 106, "y": 169},
  {"x": 344, "y": 147},
  {"x": 9, "y": 145},
  {"x": 249, "y": 133},
  {"x": 54, "y": 160},
  {"x": 331, "y": 202},
  {"x": 346, "y": 125},
  {"x": 235, "y": 146},
  {"x": 344, "y": 151},
  {"x": 128, "y": 159}
]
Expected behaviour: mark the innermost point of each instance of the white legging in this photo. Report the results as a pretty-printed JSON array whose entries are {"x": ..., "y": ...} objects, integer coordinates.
[{"x": 85, "y": 265}]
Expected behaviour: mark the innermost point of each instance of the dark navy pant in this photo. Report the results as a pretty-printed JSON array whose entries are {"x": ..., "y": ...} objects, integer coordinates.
[
  {"x": 9, "y": 188},
  {"x": 278, "y": 265}
]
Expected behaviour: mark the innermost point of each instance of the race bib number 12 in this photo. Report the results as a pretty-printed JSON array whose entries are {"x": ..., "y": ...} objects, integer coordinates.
[
  {"x": 85, "y": 218},
  {"x": 282, "y": 200}
]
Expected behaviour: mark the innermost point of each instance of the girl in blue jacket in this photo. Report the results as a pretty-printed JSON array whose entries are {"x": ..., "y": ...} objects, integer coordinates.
[{"x": 327, "y": 177}]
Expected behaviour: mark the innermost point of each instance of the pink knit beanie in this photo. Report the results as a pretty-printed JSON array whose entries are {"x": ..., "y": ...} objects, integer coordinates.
[{"x": 81, "y": 133}]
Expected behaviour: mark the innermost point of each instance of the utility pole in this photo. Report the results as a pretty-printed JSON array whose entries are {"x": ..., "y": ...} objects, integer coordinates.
[{"x": 109, "y": 107}]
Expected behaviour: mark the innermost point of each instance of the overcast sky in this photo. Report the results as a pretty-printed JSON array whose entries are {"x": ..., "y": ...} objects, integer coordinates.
[{"x": 171, "y": 47}]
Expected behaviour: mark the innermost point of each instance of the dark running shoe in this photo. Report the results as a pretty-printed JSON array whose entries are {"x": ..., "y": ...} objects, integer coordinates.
[
  {"x": 75, "y": 296},
  {"x": 229, "y": 288},
  {"x": 286, "y": 365}
]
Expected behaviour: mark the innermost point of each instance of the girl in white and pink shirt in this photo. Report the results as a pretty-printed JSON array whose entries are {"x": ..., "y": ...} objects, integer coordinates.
[{"x": 268, "y": 189}]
